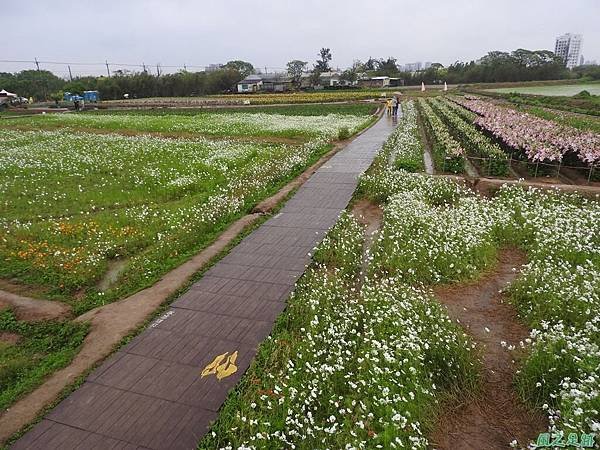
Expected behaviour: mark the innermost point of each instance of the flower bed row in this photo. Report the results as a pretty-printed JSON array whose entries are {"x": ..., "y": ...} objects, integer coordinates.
[
  {"x": 540, "y": 139},
  {"x": 473, "y": 140},
  {"x": 557, "y": 293},
  {"x": 448, "y": 154},
  {"x": 404, "y": 147}
]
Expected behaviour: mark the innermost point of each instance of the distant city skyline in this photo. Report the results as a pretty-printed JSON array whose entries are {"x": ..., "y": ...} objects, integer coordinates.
[{"x": 197, "y": 34}]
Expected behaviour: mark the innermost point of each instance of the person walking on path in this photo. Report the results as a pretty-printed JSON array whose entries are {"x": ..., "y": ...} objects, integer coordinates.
[
  {"x": 394, "y": 106},
  {"x": 389, "y": 107}
]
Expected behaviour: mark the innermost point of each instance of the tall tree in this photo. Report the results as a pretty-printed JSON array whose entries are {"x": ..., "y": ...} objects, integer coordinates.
[
  {"x": 323, "y": 61},
  {"x": 371, "y": 64},
  {"x": 387, "y": 67},
  {"x": 295, "y": 69},
  {"x": 243, "y": 67},
  {"x": 315, "y": 77}
]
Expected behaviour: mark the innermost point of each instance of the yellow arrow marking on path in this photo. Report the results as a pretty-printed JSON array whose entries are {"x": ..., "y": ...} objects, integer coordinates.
[{"x": 222, "y": 366}]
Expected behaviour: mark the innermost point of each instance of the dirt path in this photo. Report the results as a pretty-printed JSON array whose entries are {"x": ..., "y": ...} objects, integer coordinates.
[
  {"x": 427, "y": 156},
  {"x": 33, "y": 309},
  {"x": 488, "y": 186},
  {"x": 110, "y": 323},
  {"x": 370, "y": 215},
  {"x": 495, "y": 416}
]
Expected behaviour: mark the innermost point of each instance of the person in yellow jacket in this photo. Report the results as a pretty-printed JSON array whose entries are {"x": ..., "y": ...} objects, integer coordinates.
[{"x": 388, "y": 108}]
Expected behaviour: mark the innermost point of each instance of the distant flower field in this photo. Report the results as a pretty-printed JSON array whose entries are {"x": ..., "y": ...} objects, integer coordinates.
[
  {"x": 235, "y": 124},
  {"x": 258, "y": 99}
]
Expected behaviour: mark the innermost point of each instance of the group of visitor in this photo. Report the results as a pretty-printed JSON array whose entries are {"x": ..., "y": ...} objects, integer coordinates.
[{"x": 392, "y": 105}]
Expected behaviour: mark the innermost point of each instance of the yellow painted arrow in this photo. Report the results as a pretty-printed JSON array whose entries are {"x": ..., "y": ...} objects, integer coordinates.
[{"x": 222, "y": 366}]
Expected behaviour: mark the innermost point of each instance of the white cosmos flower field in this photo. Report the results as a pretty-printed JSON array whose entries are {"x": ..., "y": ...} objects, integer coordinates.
[{"x": 70, "y": 202}]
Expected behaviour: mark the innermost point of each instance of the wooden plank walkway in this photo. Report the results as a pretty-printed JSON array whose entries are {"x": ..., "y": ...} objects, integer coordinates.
[{"x": 163, "y": 389}]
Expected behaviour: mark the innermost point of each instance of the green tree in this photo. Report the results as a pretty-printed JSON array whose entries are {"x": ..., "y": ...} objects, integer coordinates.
[
  {"x": 324, "y": 58},
  {"x": 315, "y": 77},
  {"x": 295, "y": 69},
  {"x": 244, "y": 68},
  {"x": 387, "y": 67}
]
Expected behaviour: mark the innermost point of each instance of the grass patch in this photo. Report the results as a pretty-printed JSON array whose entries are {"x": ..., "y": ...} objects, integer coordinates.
[{"x": 43, "y": 348}]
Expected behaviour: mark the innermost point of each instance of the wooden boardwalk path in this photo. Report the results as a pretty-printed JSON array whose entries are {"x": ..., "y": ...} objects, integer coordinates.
[{"x": 163, "y": 389}]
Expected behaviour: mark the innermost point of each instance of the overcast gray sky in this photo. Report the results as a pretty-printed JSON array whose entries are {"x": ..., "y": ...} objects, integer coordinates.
[{"x": 271, "y": 32}]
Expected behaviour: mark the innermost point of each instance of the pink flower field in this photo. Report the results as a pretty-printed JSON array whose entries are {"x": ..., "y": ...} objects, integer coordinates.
[{"x": 540, "y": 139}]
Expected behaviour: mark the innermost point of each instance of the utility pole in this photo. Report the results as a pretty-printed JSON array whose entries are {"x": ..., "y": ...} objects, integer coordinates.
[
  {"x": 107, "y": 69},
  {"x": 158, "y": 70},
  {"x": 70, "y": 74},
  {"x": 266, "y": 70},
  {"x": 37, "y": 64}
]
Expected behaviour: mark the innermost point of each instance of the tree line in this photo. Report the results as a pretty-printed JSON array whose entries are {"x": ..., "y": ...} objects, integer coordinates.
[{"x": 519, "y": 65}]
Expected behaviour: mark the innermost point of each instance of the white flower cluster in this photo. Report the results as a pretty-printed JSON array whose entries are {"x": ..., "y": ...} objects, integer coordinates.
[
  {"x": 70, "y": 201},
  {"x": 433, "y": 233},
  {"x": 558, "y": 293},
  {"x": 403, "y": 148},
  {"x": 230, "y": 124}
]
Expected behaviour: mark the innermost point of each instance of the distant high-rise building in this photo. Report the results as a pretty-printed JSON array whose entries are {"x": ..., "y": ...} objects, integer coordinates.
[
  {"x": 412, "y": 67},
  {"x": 568, "y": 47},
  {"x": 213, "y": 67}
]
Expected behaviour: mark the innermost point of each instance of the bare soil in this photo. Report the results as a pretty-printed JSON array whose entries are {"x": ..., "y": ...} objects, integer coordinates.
[
  {"x": 495, "y": 416},
  {"x": 115, "y": 268},
  {"x": 9, "y": 338},
  {"x": 25, "y": 290},
  {"x": 371, "y": 215},
  {"x": 33, "y": 309}
]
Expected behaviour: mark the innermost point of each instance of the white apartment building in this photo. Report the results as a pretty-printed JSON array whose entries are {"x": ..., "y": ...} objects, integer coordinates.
[{"x": 568, "y": 47}]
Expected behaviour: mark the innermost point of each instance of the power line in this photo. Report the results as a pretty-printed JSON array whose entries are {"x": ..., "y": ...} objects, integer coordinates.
[{"x": 142, "y": 66}]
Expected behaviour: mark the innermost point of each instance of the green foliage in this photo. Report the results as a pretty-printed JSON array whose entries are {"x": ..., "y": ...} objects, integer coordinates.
[
  {"x": 295, "y": 69},
  {"x": 43, "y": 348},
  {"x": 588, "y": 105},
  {"x": 583, "y": 94},
  {"x": 325, "y": 57},
  {"x": 242, "y": 67},
  {"x": 344, "y": 133},
  {"x": 38, "y": 84}
]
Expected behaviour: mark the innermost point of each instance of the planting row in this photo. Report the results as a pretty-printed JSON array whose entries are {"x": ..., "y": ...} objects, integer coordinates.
[
  {"x": 539, "y": 139},
  {"x": 404, "y": 148},
  {"x": 473, "y": 140},
  {"x": 448, "y": 154},
  {"x": 255, "y": 99},
  {"x": 557, "y": 293}
]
